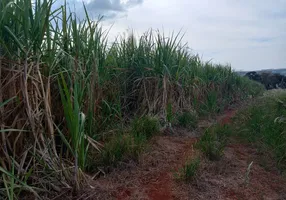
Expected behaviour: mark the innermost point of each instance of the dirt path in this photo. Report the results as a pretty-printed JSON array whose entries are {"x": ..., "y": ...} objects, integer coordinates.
[
  {"x": 153, "y": 177},
  {"x": 227, "y": 179}
]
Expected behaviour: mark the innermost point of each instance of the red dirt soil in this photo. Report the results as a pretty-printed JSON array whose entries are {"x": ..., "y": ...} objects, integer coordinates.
[
  {"x": 226, "y": 118},
  {"x": 153, "y": 177}
]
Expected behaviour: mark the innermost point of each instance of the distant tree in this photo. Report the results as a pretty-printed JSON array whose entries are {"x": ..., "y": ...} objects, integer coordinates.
[
  {"x": 268, "y": 79},
  {"x": 253, "y": 76},
  {"x": 272, "y": 81}
]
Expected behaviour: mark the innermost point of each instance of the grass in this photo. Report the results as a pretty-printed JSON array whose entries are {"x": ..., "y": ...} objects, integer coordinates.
[
  {"x": 262, "y": 124},
  {"x": 213, "y": 141},
  {"x": 188, "y": 120},
  {"x": 69, "y": 80},
  {"x": 145, "y": 126},
  {"x": 119, "y": 147},
  {"x": 128, "y": 146},
  {"x": 189, "y": 171}
]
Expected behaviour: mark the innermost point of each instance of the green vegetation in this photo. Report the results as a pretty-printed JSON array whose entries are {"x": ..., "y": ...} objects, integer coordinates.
[
  {"x": 188, "y": 120},
  {"x": 145, "y": 126},
  {"x": 70, "y": 85},
  {"x": 124, "y": 146},
  {"x": 213, "y": 141},
  {"x": 263, "y": 124},
  {"x": 190, "y": 169},
  {"x": 118, "y": 148}
]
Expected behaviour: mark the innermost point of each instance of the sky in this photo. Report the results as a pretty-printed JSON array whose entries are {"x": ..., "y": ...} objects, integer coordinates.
[{"x": 248, "y": 34}]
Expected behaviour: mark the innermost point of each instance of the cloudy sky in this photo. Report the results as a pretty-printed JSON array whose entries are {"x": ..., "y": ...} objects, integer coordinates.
[{"x": 248, "y": 34}]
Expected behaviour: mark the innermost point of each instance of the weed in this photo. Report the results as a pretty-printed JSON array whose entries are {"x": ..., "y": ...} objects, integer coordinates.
[
  {"x": 262, "y": 124},
  {"x": 145, "y": 126},
  {"x": 188, "y": 120},
  {"x": 189, "y": 171},
  {"x": 213, "y": 141},
  {"x": 116, "y": 149},
  {"x": 121, "y": 147}
]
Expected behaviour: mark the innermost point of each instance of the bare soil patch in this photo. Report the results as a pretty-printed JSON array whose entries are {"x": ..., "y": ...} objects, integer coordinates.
[{"x": 152, "y": 178}]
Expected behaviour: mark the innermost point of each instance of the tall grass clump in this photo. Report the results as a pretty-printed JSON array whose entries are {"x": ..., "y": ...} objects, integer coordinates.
[
  {"x": 263, "y": 124},
  {"x": 70, "y": 88},
  {"x": 145, "y": 126},
  {"x": 120, "y": 148},
  {"x": 188, "y": 120},
  {"x": 213, "y": 141},
  {"x": 190, "y": 170},
  {"x": 116, "y": 149}
]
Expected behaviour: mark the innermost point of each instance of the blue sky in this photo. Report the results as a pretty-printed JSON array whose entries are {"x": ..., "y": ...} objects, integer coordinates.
[{"x": 248, "y": 34}]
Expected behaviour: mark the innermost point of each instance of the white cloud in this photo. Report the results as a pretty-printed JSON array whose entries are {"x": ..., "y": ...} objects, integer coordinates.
[
  {"x": 95, "y": 8},
  {"x": 249, "y": 34}
]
